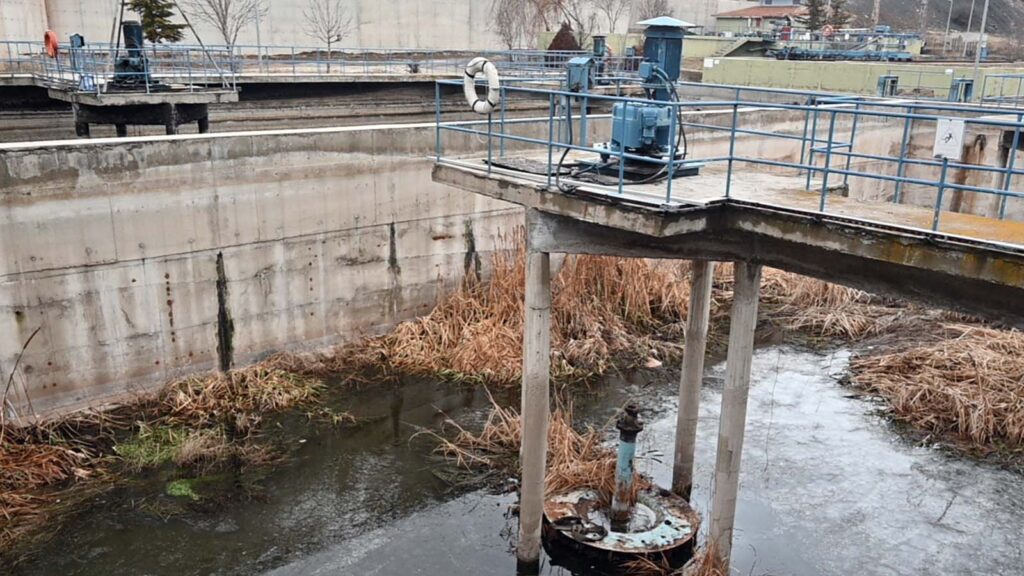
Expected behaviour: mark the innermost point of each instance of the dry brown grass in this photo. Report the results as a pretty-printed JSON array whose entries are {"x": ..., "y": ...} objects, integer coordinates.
[
  {"x": 605, "y": 311},
  {"x": 199, "y": 422},
  {"x": 577, "y": 459},
  {"x": 964, "y": 381},
  {"x": 602, "y": 308},
  {"x": 238, "y": 398}
]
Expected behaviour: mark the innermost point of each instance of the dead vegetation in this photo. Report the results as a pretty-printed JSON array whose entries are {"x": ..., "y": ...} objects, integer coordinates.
[
  {"x": 960, "y": 381},
  {"x": 199, "y": 423},
  {"x": 577, "y": 459},
  {"x": 944, "y": 373},
  {"x": 605, "y": 311}
]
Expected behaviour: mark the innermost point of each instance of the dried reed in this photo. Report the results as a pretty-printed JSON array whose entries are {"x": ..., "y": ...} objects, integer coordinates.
[
  {"x": 577, "y": 460},
  {"x": 965, "y": 381}
]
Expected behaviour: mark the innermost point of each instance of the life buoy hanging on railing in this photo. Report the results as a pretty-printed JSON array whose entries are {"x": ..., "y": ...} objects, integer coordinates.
[
  {"x": 51, "y": 43},
  {"x": 490, "y": 71}
]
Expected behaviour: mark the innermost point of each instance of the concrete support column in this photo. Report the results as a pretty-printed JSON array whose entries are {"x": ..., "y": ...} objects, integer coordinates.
[
  {"x": 734, "y": 406},
  {"x": 692, "y": 376},
  {"x": 535, "y": 409},
  {"x": 170, "y": 119}
]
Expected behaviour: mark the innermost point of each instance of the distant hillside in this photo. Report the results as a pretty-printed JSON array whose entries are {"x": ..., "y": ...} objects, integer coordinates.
[{"x": 1005, "y": 18}]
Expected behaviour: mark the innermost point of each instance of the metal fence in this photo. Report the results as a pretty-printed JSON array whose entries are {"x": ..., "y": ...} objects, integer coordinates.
[
  {"x": 91, "y": 68},
  {"x": 830, "y": 152},
  {"x": 1003, "y": 90}
]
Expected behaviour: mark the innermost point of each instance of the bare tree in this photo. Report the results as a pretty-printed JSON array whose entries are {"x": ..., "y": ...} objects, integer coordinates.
[
  {"x": 328, "y": 21},
  {"x": 517, "y": 22},
  {"x": 647, "y": 9},
  {"x": 613, "y": 11},
  {"x": 512, "y": 22},
  {"x": 229, "y": 17},
  {"x": 581, "y": 17}
]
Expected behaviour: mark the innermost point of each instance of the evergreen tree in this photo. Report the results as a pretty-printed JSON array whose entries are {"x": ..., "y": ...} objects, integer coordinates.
[
  {"x": 840, "y": 16},
  {"x": 156, "y": 20},
  {"x": 817, "y": 15}
]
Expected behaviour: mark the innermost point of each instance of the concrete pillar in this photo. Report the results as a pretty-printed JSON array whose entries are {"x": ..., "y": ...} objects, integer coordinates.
[
  {"x": 692, "y": 376},
  {"x": 170, "y": 119},
  {"x": 734, "y": 406},
  {"x": 535, "y": 409}
]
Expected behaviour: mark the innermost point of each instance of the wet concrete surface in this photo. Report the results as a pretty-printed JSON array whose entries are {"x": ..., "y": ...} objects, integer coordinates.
[{"x": 828, "y": 487}]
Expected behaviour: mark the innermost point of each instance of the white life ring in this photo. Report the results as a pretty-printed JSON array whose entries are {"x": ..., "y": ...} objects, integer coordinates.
[{"x": 482, "y": 105}]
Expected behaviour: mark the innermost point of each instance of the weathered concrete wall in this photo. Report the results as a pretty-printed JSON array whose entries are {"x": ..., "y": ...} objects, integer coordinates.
[
  {"x": 391, "y": 24},
  {"x": 22, "y": 20},
  {"x": 110, "y": 250}
]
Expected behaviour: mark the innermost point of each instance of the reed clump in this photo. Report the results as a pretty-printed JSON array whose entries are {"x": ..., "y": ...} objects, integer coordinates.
[
  {"x": 606, "y": 312},
  {"x": 960, "y": 381},
  {"x": 577, "y": 459}
]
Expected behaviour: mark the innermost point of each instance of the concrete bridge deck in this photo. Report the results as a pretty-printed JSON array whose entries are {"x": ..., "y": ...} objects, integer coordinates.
[{"x": 976, "y": 264}]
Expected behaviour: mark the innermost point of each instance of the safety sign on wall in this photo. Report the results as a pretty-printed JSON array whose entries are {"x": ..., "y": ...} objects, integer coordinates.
[{"x": 949, "y": 139}]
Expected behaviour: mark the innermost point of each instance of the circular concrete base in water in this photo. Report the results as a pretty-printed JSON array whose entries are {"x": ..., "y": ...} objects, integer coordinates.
[{"x": 578, "y": 533}]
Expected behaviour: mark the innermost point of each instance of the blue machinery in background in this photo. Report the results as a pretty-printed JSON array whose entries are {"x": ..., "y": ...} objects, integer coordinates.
[{"x": 648, "y": 129}]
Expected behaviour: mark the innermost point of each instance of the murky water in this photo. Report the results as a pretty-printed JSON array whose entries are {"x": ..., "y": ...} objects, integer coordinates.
[{"x": 827, "y": 488}]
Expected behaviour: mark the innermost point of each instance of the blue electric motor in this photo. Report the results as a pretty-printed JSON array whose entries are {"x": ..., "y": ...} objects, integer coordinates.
[{"x": 643, "y": 128}]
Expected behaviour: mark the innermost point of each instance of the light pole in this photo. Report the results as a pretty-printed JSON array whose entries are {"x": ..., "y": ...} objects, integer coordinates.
[
  {"x": 970, "y": 21},
  {"x": 259, "y": 42},
  {"x": 981, "y": 44},
  {"x": 945, "y": 39}
]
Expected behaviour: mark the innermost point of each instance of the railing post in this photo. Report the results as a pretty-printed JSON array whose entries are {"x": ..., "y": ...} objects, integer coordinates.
[
  {"x": 828, "y": 161},
  {"x": 622, "y": 151},
  {"x": 671, "y": 152},
  {"x": 732, "y": 148},
  {"x": 810, "y": 148},
  {"x": 904, "y": 146},
  {"x": 807, "y": 124},
  {"x": 437, "y": 120},
  {"x": 490, "y": 142},
  {"x": 551, "y": 134},
  {"x": 1011, "y": 161},
  {"x": 501, "y": 143},
  {"x": 853, "y": 138},
  {"x": 942, "y": 191}
]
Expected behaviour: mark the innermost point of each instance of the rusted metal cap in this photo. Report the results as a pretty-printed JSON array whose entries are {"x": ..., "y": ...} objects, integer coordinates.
[{"x": 629, "y": 423}]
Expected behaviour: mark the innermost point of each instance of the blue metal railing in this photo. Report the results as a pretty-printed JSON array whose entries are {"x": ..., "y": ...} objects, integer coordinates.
[
  {"x": 91, "y": 67},
  {"x": 824, "y": 127}
]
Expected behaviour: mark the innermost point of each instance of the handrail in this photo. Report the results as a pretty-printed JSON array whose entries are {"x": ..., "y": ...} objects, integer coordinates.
[{"x": 830, "y": 152}]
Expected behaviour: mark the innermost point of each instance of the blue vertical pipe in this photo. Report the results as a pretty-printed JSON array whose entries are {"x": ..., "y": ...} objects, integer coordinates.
[{"x": 629, "y": 426}]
